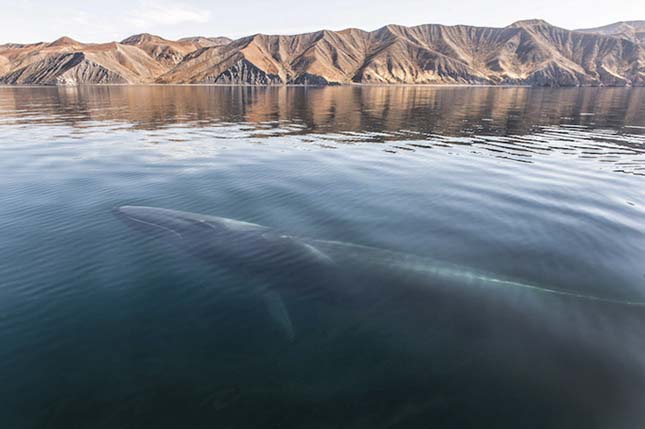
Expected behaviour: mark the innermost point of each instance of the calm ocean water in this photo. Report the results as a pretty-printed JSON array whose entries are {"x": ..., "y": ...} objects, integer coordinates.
[{"x": 102, "y": 326}]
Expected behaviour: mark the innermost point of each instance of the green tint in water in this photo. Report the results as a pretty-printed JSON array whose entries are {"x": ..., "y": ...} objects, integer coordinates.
[{"x": 103, "y": 327}]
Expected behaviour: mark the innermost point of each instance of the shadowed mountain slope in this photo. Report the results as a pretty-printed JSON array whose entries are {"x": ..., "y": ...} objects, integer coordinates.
[{"x": 75, "y": 63}]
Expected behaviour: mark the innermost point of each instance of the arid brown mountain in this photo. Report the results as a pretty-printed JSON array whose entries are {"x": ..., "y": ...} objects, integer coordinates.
[
  {"x": 207, "y": 42},
  {"x": 66, "y": 61},
  {"x": 527, "y": 52},
  {"x": 632, "y": 30},
  {"x": 168, "y": 52}
]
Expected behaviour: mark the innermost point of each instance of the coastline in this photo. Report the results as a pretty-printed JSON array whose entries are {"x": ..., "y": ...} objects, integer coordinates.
[{"x": 345, "y": 85}]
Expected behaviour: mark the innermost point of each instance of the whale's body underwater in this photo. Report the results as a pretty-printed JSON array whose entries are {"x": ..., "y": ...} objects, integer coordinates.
[{"x": 525, "y": 338}]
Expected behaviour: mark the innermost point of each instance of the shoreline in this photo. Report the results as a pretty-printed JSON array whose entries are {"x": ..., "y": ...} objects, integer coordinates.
[{"x": 343, "y": 85}]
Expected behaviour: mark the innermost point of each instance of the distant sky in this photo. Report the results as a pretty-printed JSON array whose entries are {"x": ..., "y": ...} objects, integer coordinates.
[{"x": 92, "y": 21}]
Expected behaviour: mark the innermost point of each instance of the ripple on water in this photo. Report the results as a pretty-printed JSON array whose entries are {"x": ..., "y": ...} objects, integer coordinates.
[{"x": 516, "y": 182}]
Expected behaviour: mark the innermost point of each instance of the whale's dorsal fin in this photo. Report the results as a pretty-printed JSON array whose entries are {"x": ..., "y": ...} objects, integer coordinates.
[{"x": 278, "y": 312}]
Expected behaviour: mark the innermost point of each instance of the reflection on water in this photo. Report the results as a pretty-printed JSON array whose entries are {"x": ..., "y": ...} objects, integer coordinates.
[
  {"x": 605, "y": 124},
  {"x": 415, "y": 193},
  {"x": 426, "y": 110}
]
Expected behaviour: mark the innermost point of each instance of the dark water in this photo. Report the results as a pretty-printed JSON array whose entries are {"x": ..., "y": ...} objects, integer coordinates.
[{"x": 102, "y": 326}]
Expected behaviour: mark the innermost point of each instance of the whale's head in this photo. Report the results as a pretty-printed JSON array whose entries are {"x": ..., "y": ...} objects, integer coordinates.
[
  {"x": 221, "y": 239},
  {"x": 199, "y": 233},
  {"x": 158, "y": 222}
]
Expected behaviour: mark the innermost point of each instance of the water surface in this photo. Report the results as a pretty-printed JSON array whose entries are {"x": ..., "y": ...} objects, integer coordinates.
[{"x": 101, "y": 326}]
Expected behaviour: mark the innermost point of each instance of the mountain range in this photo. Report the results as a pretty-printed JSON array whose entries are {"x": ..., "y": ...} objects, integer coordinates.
[{"x": 531, "y": 52}]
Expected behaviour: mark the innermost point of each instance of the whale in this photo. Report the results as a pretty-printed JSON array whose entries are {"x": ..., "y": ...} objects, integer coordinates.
[{"x": 432, "y": 312}]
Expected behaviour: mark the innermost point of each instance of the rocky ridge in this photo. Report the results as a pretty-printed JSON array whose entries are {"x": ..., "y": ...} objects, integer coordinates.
[{"x": 529, "y": 52}]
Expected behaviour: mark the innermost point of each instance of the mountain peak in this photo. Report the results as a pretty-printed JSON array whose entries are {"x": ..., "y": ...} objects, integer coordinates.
[
  {"x": 530, "y": 23},
  {"x": 206, "y": 41},
  {"x": 64, "y": 41},
  {"x": 138, "y": 39}
]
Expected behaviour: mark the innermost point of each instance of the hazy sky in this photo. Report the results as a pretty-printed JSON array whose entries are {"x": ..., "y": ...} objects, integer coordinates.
[{"x": 89, "y": 20}]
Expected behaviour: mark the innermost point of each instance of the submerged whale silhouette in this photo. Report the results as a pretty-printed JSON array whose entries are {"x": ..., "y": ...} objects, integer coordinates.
[{"x": 591, "y": 346}]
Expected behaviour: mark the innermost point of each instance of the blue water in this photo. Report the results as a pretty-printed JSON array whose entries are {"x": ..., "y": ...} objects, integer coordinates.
[{"x": 102, "y": 326}]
